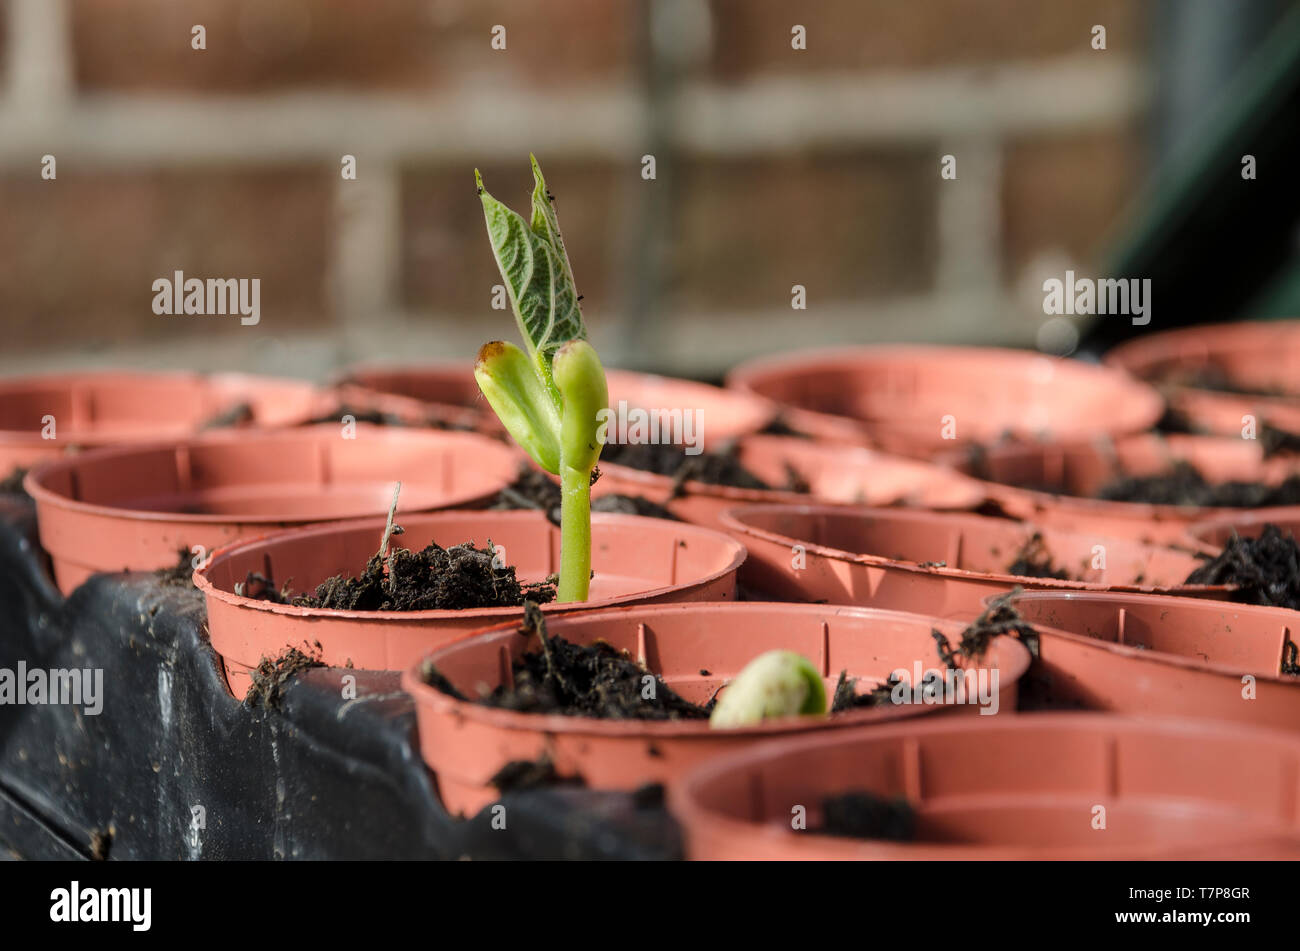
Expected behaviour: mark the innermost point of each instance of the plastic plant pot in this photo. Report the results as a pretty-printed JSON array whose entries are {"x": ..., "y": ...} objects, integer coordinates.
[
  {"x": 943, "y": 564},
  {"x": 1022, "y": 787},
  {"x": 133, "y": 508},
  {"x": 835, "y": 474},
  {"x": 634, "y": 559},
  {"x": 1082, "y": 468},
  {"x": 696, "y": 649},
  {"x": 1150, "y": 654},
  {"x": 718, "y": 414},
  {"x": 1251, "y": 355},
  {"x": 1215, "y": 533},
  {"x": 920, "y": 401},
  {"x": 1226, "y": 414},
  {"x": 1259, "y": 355},
  {"x": 391, "y": 410},
  {"x": 447, "y": 391},
  {"x": 108, "y": 408}
]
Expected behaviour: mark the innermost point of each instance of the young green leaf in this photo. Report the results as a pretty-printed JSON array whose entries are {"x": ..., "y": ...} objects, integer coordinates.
[
  {"x": 538, "y": 279},
  {"x": 545, "y": 224}
]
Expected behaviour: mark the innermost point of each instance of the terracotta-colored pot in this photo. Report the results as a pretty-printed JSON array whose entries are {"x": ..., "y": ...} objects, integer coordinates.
[
  {"x": 1214, "y": 533},
  {"x": 943, "y": 564},
  {"x": 920, "y": 401},
  {"x": 719, "y": 414},
  {"x": 1261, "y": 355},
  {"x": 365, "y": 404},
  {"x": 1151, "y": 654},
  {"x": 634, "y": 560},
  {"x": 447, "y": 390},
  {"x": 1225, "y": 414},
  {"x": 132, "y": 508},
  {"x": 107, "y": 408},
  {"x": 1034, "y": 786},
  {"x": 696, "y": 649},
  {"x": 1082, "y": 468},
  {"x": 847, "y": 475}
]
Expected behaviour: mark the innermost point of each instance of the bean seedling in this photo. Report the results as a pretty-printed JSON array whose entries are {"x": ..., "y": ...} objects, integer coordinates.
[{"x": 548, "y": 395}]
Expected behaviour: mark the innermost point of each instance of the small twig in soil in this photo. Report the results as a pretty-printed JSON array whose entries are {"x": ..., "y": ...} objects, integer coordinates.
[
  {"x": 535, "y": 622},
  {"x": 389, "y": 528},
  {"x": 1000, "y": 617}
]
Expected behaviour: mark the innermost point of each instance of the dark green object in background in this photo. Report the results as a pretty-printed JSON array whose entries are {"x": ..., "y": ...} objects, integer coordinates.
[{"x": 1215, "y": 245}]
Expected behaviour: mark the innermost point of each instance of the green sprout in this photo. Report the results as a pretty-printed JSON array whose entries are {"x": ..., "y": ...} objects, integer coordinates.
[
  {"x": 774, "y": 684},
  {"x": 548, "y": 397}
]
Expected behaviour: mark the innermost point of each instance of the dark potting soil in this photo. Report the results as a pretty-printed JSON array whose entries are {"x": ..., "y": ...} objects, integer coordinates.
[
  {"x": 181, "y": 574},
  {"x": 846, "y": 696},
  {"x": 999, "y": 618},
  {"x": 1176, "y": 421},
  {"x": 261, "y": 588},
  {"x": 1184, "y": 485},
  {"x": 13, "y": 482},
  {"x": 379, "y": 418},
  {"x": 1033, "y": 560},
  {"x": 271, "y": 675},
  {"x": 373, "y": 416},
  {"x": 715, "y": 468},
  {"x": 521, "y": 774},
  {"x": 579, "y": 680},
  {"x": 1266, "y": 569},
  {"x": 779, "y": 427},
  {"x": 458, "y": 578},
  {"x": 864, "y": 815},
  {"x": 1276, "y": 442},
  {"x": 236, "y": 415},
  {"x": 534, "y": 490},
  {"x": 1272, "y": 439},
  {"x": 629, "y": 505},
  {"x": 1217, "y": 379}
]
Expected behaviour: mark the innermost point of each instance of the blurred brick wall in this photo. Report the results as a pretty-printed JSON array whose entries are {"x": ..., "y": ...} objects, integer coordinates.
[{"x": 775, "y": 167}]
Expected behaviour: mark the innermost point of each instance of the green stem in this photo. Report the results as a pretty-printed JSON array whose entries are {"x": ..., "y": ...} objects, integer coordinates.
[{"x": 575, "y": 533}]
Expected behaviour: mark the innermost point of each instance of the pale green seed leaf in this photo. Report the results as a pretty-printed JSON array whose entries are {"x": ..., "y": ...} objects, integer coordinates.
[
  {"x": 517, "y": 395},
  {"x": 775, "y": 684}
]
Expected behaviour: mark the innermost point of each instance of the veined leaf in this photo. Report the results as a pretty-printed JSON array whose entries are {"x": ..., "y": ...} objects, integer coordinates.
[
  {"x": 538, "y": 279},
  {"x": 545, "y": 224}
]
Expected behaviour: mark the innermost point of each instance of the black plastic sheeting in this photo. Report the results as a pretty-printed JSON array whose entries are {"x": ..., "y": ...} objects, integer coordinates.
[{"x": 317, "y": 777}]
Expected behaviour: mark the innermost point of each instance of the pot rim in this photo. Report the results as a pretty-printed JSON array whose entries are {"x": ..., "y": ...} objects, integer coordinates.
[
  {"x": 853, "y": 454},
  {"x": 74, "y": 438},
  {"x": 205, "y": 585},
  {"x": 683, "y": 801},
  {"x": 1138, "y": 511},
  {"x": 443, "y": 703},
  {"x": 1242, "y": 518},
  {"x": 763, "y": 409},
  {"x": 1135, "y": 356},
  {"x": 1145, "y": 403},
  {"x": 33, "y": 482},
  {"x": 731, "y": 520},
  {"x": 1147, "y": 654}
]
